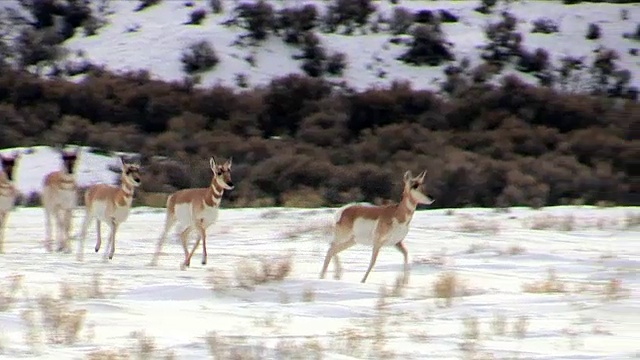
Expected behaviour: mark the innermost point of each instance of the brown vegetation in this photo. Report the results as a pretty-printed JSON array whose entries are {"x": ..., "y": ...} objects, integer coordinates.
[{"x": 301, "y": 141}]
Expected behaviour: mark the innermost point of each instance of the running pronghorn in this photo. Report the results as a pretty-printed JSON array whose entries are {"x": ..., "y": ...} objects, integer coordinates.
[
  {"x": 196, "y": 209},
  {"x": 110, "y": 204},
  {"x": 8, "y": 192},
  {"x": 376, "y": 226},
  {"x": 59, "y": 199}
]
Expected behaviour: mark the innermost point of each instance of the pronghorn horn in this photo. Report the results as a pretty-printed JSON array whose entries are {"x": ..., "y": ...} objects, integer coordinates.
[
  {"x": 229, "y": 161},
  {"x": 422, "y": 175},
  {"x": 407, "y": 175}
]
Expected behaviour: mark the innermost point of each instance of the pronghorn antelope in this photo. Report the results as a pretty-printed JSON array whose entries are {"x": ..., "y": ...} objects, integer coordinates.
[
  {"x": 376, "y": 226},
  {"x": 110, "y": 204},
  {"x": 196, "y": 209},
  {"x": 59, "y": 199},
  {"x": 8, "y": 192}
]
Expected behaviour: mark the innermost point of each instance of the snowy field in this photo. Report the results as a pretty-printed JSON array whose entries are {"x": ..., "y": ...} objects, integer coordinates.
[
  {"x": 509, "y": 303},
  {"x": 155, "y": 38}
]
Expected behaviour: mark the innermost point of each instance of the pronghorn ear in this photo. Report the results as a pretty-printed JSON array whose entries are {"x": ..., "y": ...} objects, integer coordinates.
[
  {"x": 122, "y": 162},
  {"x": 422, "y": 175},
  {"x": 229, "y": 162},
  {"x": 212, "y": 164},
  {"x": 407, "y": 175}
]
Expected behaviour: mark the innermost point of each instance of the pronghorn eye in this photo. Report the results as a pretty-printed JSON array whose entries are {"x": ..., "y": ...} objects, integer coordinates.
[{"x": 415, "y": 186}]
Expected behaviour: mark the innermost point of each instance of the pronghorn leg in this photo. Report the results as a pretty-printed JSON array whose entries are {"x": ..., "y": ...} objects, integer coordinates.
[
  {"x": 203, "y": 235},
  {"x": 48, "y": 237},
  {"x": 184, "y": 237},
  {"x": 59, "y": 217},
  {"x": 374, "y": 257},
  {"x": 111, "y": 244},
  {"x": 168, "y": 224},
  {"x": 400, "y": 246},
  {"x": 187, "y": 260},
  {"x": 332, "y": 253},
  {"x": 3, "y": 223},
  {"x": 68, "y": 217},
  {"x": 98, "y": 235},
  {"x": 83, "y": 235}
]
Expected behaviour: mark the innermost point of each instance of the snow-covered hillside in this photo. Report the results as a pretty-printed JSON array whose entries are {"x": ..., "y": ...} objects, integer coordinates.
[
  {"x": 155, "y": 38},
  {"x": 36, "y": 162}
]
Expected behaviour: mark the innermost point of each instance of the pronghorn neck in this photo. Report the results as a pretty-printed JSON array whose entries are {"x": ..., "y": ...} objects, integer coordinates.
[
  {"x": 406, "y": 207},
  {"x": 216, "y": 188},
  {"x": 6, "y": 186},
  {"x": 127, "y": 188}
]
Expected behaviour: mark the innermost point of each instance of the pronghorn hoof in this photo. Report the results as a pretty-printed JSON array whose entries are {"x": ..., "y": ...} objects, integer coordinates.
[
  {"x": 97, "y": 249},
  {"x": 204, "y": 262}
]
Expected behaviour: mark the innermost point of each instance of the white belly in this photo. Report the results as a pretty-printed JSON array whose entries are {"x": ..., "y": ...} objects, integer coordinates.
[
  {"x": 364, "y": 232},
  {"x": 66, "y": 199},
  {"x": 6, "y": 203},
  {"x": 101, "y": 212},
  {"x": 185, "y": 216}
]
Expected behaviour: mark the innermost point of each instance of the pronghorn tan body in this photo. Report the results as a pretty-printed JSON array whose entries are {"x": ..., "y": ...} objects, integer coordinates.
[
  {"x": 59, "y": 199},
  {"x": 196, "y": 209},
  {"x": 376, "y": 226},
  {"x": 8, "y": 192},
  {"x": 110, "y": 204}
]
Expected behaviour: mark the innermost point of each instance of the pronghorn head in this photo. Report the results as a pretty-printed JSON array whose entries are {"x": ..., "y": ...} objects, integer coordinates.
[
  {"x": 413, "y": 188},
  {"x": 222, "y": 173},
  {"x": 69, "y": 159},
  {"x": 130, "y": 173},
  {"x": 9, "y": 163}
]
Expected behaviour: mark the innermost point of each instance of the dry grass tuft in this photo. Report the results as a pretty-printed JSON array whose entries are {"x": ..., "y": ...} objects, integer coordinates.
[
  {"x": 632, "y": 220},
  {"x": 308, "y": 294},
  {"x": 520, "y": 327},
  {"x": 108, "y": 354},
  {"x": 448, "y": 286},
  {"x": 613, "y": 290},
  {"x": 469, "y": 224},
  {"x": 248, "y": 274},
  {"x": 499, "y": 324},
  {"x": 515, "y": 250},
  {"x": 60, "y": 321},
  {"x": 551, "y": 222},
  {"x": 318, "y": 228},
  {"x": 9, "y": 291},
  {"x": 550, "y": 285}
]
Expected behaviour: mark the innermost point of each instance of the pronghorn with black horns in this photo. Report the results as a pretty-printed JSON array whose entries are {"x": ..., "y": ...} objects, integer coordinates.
[
  {"x": 111, "y": 204},
  {"x": 8, "y": 191},
  {"x": 60, "y": 198},
  {"x": 377, "y": 226},
  {"x": 196, "y": 209}
]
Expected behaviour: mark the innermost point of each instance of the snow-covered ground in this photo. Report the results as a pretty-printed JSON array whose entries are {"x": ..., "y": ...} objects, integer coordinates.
[
  {"x": 155, "y": 38},
  {"x": 496, "y": 254}
]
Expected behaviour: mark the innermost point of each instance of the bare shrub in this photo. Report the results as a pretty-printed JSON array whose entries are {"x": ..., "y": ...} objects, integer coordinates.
[
  {"x": 336, "y": 63},
  {"x": 216, "y": 6},
  {"x": 499, "y": 324},
  {"x": 503, "y": 40},
  {"x": 428, "y": 46},
  {"x": 401, "y": 20},
  {"x": 199, "y": 57},
  {"x": 486, "y": 6},
  {"x": 545, "y": 26},
  {"x": 296, "y": 21},
  {"x": 593, "y": 31},
  {"x": 552, "y": 284},
  {"x": 350, "y": 13},
  {"x": 143, "y": 4},
  {"x": 196, "y": 16},
  {"x": 448, "y": 286},
  {"x": 258, "y": 18}
]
